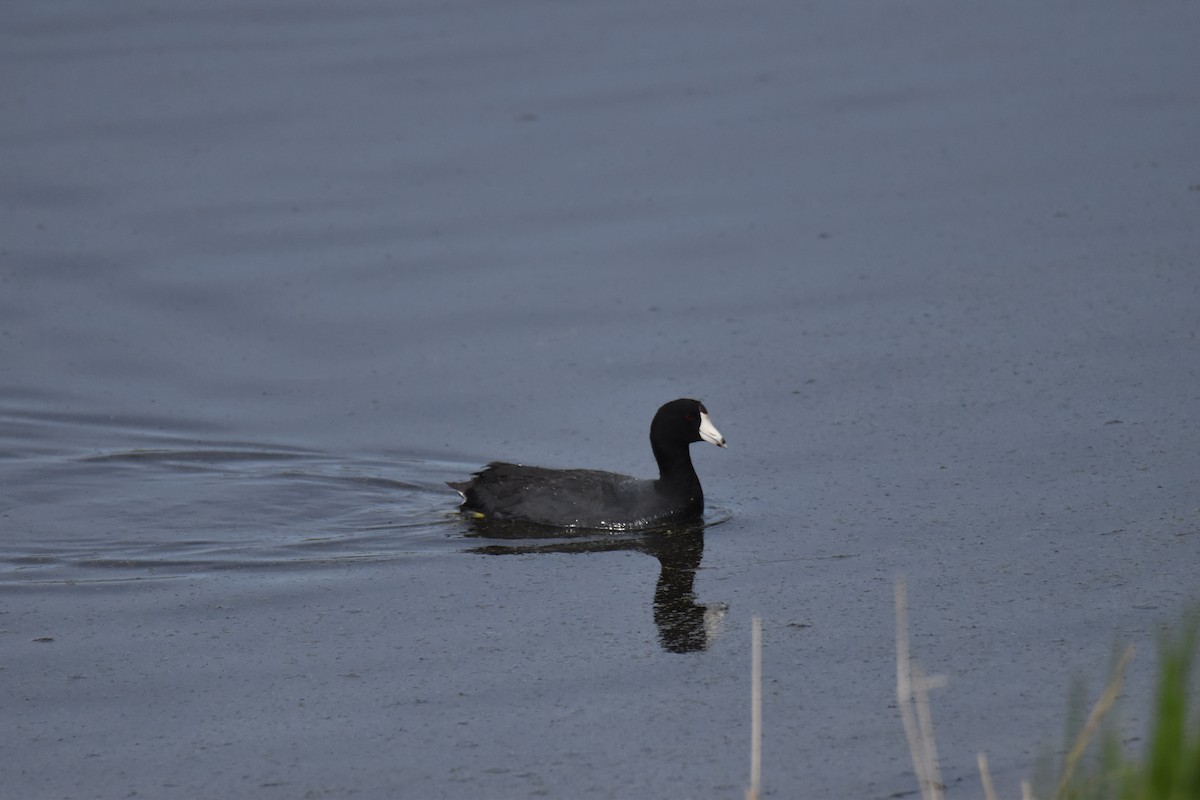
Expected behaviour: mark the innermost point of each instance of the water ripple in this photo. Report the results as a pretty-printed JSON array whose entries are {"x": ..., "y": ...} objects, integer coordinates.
[{"x": 162, "y": 512}]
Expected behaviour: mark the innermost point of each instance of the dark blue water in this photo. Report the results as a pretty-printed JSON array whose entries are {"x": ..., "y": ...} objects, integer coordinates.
[{"x": 270, "y": 275}]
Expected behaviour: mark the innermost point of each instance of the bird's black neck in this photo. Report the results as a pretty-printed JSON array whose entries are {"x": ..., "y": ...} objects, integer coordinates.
[{"x": 676, "y": 475}]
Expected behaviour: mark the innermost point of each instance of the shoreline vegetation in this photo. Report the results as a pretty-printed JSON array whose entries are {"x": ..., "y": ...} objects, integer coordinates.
[{"x": 1095, "y": 766}]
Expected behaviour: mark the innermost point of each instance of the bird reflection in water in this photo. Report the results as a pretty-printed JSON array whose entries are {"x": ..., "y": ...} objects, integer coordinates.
[{"x": 684, "y": 626}]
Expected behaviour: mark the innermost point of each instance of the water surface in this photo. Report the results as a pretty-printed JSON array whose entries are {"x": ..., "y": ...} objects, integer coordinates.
[{"x": 272, "y": 273}]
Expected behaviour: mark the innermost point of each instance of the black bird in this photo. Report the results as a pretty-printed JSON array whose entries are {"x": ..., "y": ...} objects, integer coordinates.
[{"x": 585, "y": 498}]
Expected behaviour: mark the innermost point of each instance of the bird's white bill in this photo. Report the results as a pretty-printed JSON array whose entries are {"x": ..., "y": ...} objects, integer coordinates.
[{"x": 709, "y": 432}]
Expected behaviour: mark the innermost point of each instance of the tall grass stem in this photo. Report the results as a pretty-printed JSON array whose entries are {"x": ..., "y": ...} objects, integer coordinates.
[{"x": 755, "y": 710}]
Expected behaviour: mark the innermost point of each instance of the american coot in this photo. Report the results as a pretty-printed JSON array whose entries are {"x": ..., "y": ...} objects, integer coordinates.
[{"x": 585, "y": 498}]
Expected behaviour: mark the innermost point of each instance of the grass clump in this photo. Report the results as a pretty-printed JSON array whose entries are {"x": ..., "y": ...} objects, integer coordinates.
[
  {"x": 1099, "y": 768},
  {"x": 1096, "y": 765}
]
